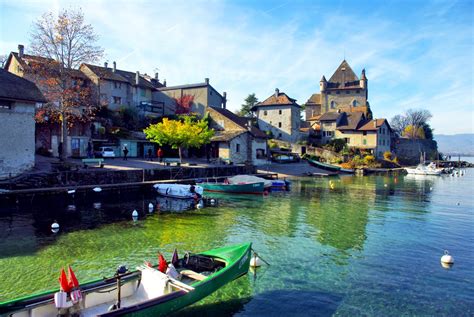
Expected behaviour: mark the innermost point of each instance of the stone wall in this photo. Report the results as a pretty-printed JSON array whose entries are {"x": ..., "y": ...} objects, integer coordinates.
[
  {"x": 17, "y": 139},
  {"x": 409, "y": 151}
]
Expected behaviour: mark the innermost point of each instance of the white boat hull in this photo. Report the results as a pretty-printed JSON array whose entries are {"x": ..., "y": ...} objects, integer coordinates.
[{"x": 179, "y": 191}]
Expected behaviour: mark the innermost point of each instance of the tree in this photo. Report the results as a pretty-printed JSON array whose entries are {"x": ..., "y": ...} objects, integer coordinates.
[
  {"x": 183, "y": 104},
  {"x": 3, "y": 60},
  {"x": 409, "y": 124},
  {"x": 245, "y": 109},
  {"x": 179, "y": 134},
  {"x": 65, "y": 42}
]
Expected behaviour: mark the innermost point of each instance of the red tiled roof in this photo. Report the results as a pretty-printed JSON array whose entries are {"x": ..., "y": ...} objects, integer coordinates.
[
  {"x": 373, "y": 125},
  {"x": 281, "y": 99}
]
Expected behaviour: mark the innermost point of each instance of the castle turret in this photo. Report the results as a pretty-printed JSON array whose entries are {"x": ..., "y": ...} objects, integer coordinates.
[
  {"x": 363, "y": 80},
  {"x": 323, "y": 84}
]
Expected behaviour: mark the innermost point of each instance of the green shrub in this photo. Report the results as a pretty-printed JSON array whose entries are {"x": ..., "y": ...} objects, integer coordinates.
[
  {"x": 369, "y": 160},
  {"x": 387, "y": 155}
]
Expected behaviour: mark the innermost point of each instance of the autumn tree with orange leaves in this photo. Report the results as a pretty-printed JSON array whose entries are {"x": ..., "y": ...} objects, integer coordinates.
[
  {"x": 184, "y": 104},
  {"x": 61, "y": 44}
]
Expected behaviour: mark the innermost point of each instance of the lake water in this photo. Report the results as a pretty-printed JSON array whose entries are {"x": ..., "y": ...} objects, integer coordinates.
[{"x": 371, "y": 246}]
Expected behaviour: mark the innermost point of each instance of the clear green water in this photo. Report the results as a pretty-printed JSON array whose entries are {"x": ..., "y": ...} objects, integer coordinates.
[{"x": 361, "y": 249}]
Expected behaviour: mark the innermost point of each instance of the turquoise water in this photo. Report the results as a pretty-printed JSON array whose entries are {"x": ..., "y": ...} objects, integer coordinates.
[{"x": 371, "y": 246}]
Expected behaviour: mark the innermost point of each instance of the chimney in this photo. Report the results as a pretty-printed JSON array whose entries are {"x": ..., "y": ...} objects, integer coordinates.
[
  {"x": 375, "y": 123},
  {"x": 164, "y": 82},
  {"x": 224, "y": 100},
  {"x": 115, "y": 67},
  {"x": 249, "y": 124},
  {"x": 277, "y": 92},
  {"x": 206, "y": 80},
  {"x": 137, "y": 78},
  {"x": 21, "y": 50},
  {"x": 156, "y": 76},
  {"x": 106, "y": 64}
]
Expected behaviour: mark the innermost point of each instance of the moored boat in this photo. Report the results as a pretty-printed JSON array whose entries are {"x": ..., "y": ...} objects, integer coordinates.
[
  {"x": 246, "y": 179},
  {"x": 145, "y": 292},
  {"x": 248, "y": 188},
  {"x": 324, "y": 166},
  {"x": 179, "y": 190},
  {"x": 421, "y": 169}
]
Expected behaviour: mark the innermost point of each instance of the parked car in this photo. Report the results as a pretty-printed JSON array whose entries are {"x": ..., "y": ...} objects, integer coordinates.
[{"x": 105, "y": 151}]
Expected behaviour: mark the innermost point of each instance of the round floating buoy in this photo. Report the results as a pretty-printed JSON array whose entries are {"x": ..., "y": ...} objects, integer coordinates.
[
  {"x": 431, "y": 188},
  {"x": 200, "y": 205},
  {"x": 385, "y": 185},
  {"x": 255, "y": 261},
  {"x": 97, "y": 189},
  {"x": 135, "y": 215},
  {"x": 150, "y": 207},
  {"x": 447, "y": 258},
  {"x": 55, "y": 227},
  {"x": 212, "y": 202}
]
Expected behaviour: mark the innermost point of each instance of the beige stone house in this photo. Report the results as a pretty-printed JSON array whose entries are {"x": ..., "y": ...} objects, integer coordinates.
[
  {"x": 203, "y": 93},
  {"x": 357, "y": 131},
  {"x": 344, "y": 92},
  {"x": 236, "y": 139},
  {"x": 18, "y": 98},
  {"x": 280, "y": 116}
]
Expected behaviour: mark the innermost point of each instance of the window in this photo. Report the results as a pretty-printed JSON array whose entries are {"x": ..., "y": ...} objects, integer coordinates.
[
  {"x": 333, "y": 104},
  {"x": 265, "y": 112},
  {"x": 237, "y": 148},
  {"x": 364, "y": 133},
  {"x": 279, "y": 111},
  {"x": 279, "y": 135},
  {"x": 142, "y": 92},
  {"x": 117, "y": 100},
  {"x": 260, "y": 153},
  {"x": 348, "y": 140},
  {"x": 354, "y": 103},
  {"x": 279, "y": 124},
  {"x": 6, "y": 104},
  {"x": 117, "y": 85}
]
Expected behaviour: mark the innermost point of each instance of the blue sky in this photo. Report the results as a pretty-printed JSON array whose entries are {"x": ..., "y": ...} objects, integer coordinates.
[{"x": 417, "y": 54}]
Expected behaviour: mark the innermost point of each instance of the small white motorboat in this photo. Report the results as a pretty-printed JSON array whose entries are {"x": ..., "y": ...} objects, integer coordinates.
[
  {"x": 179, "y": 191},
  {"x": 421, "y": 169}
]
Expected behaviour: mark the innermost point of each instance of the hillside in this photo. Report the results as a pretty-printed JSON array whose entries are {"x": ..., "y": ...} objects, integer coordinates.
[{"x": 456, "y": 143}]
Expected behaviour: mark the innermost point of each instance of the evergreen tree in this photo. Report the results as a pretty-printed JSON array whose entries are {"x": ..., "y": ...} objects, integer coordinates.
[{"x": 250, "y": 101}]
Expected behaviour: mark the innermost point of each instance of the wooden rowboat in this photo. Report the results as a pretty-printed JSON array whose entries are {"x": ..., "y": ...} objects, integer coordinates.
[
  {"x": 246, "y": 188},
  {"x": 329, "y": 167},
  {"x": 145, "y": 292}
]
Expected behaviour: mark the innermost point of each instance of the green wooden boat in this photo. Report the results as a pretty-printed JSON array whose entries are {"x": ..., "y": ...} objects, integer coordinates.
[
  {"x": 145, "y": 292},
  {"x": 246, "y": 188},
  {"x": 324, "y": 166}
]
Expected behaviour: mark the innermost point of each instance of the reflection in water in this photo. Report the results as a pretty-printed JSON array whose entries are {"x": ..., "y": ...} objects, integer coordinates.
[
  {"x": 174, "y": 204},
  {"x": 373, "y": 241}
]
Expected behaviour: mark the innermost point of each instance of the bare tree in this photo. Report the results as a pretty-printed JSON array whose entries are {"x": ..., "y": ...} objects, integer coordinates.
[
  {"x": 3, "y": 60},
  {"x": 417, "y": 117},
  {"x": 412, "y": 123},
  {"x": 65, "y": 42},
  {"x": 399, "y": 123}
]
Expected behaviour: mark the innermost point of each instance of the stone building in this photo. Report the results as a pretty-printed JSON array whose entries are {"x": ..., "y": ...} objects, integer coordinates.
[
  {"x": 236, "y": 139},
  {"x": 344, "y": 92},
  {"x": 359, "y": 132},
  {"x": 38, "y": 70},
  {"x": 279, "y": 115},
  {"x": 18, "y": 98},
  {"x": 117, "y": 88},
  {"x": 203, "y": 93}
]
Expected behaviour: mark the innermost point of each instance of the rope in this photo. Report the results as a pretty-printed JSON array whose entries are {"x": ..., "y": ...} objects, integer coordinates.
[{"x": 256, "y": 254}]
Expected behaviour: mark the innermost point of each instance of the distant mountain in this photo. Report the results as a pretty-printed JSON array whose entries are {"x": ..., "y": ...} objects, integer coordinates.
[{"x": 456, "y": 143}]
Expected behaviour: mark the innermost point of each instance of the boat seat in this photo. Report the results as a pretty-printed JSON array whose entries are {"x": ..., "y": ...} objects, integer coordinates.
[{"x": 193, "y": 275}]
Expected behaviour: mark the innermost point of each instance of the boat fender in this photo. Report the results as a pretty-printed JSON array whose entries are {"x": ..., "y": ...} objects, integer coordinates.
[
  {"x": 447, "y": 258},
  {"x": 167, "y": 190},
  {"x": 150, "y": 207},
  {"x": 55, "y": 227},
  {"x": 60, "y": 300},
  {"x": 200, "y": 205}
]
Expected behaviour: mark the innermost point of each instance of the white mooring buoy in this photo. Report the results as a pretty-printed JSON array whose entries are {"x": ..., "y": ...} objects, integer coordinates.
[
  {"x": 212, "y": 202},
  {"x": 97, "y": 189},
  {"x": 150, "y": 207},
  {"x": 135, "y": 215},
  {"x": 55, "y": 227},
  {"x": 255, "y": 261},
  {"x": 447, "y": 260}
]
